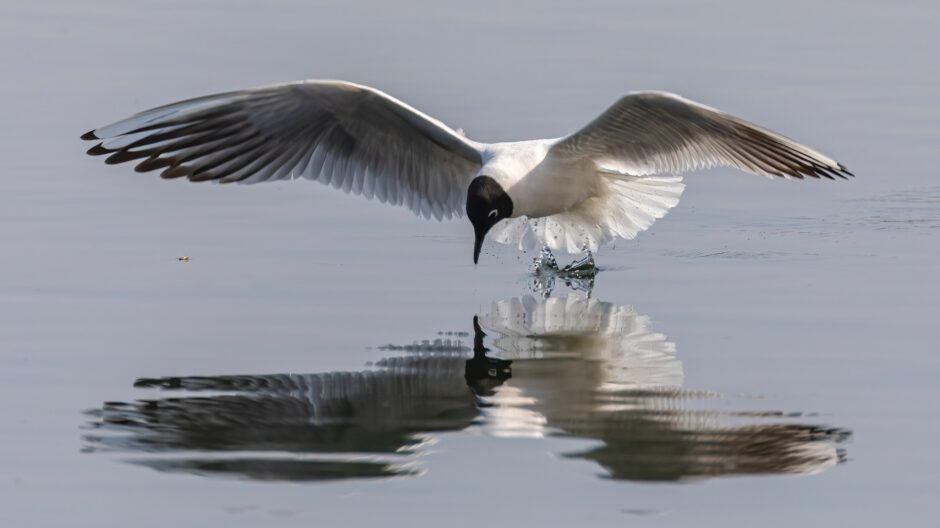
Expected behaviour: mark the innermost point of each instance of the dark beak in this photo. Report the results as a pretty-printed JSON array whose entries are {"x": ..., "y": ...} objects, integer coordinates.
[{"x": 478, "y": 243}]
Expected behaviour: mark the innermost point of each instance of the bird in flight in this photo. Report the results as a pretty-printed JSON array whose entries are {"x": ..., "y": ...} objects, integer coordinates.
[{"x": 611, "y": 179}]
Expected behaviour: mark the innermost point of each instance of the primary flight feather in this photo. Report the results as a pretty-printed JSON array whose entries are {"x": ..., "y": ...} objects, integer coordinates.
[{"x": 613, "y": 178}]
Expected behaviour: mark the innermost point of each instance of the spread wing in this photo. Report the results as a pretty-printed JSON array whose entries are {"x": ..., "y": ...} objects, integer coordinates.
[
  {"x": 648, "y": 133},
  {"x": 342, "y": 134}
]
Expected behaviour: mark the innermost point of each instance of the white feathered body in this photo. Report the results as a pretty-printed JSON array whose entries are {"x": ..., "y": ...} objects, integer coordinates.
[
  {"x": 572, "y": 204},
  {"x": 539, "y": 185}
]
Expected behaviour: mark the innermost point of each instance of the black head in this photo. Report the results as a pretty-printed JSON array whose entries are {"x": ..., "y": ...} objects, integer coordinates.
[{"x": 487, "y": 203}]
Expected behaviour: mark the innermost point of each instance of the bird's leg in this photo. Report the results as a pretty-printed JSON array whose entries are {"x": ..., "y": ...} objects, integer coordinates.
[
  {"x": 582, "y": 268},
  {"x": 579, "y": 275}
]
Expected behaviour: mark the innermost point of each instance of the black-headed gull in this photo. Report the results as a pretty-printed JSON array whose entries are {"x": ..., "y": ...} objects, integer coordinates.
[{"x": 611, "y": 179}]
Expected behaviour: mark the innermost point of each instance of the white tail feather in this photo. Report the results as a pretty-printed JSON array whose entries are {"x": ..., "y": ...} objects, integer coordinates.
[{"x": 626, "y": 206}]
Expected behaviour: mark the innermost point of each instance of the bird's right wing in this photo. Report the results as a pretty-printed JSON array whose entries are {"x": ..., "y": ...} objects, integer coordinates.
[{"x": 347, "y": 135}]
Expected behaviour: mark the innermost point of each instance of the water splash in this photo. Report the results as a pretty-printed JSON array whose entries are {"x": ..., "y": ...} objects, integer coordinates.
[{"x": 579, "y": 275}]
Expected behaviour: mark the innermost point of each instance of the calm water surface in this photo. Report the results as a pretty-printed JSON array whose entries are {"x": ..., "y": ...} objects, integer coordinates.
[{"x": 766, "y": 355}]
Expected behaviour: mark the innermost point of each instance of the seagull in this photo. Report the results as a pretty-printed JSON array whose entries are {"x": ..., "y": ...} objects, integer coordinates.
[{"x": 611, "y": 179}]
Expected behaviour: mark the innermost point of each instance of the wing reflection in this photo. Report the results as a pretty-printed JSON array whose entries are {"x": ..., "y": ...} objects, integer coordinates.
[
  {"x": 589, "y": 369},
  {"x": 570, "y": 366}
]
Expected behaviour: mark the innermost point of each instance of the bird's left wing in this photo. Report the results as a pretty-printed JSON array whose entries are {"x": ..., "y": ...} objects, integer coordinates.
[
  {"x": 646, "y": 133},
  {"x": 343, "y": 134}
]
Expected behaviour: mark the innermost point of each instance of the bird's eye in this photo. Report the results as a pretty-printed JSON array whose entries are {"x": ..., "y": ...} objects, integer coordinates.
[{"x": 493, "y": 213}]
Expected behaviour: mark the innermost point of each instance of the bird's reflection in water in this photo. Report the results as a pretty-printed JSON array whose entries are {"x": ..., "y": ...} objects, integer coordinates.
[{"x": 569, "y": 366}]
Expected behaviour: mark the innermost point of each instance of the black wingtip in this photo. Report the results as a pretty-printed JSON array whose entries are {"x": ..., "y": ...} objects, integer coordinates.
[
  {"x": 125, "y": 155},
  {"x": 97, "y": 150},
  {"x": 90, "y": 136},
  {"x": 152, "y": 164},
  {"x": 176, "y": 171}
]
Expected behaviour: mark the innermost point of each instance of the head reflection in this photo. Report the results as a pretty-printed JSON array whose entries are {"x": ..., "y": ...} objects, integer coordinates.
[{"x": 562, "y": 366}]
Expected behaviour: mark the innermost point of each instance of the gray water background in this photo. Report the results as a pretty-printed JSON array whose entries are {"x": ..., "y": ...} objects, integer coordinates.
[{"x": 818, "y": 298}]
